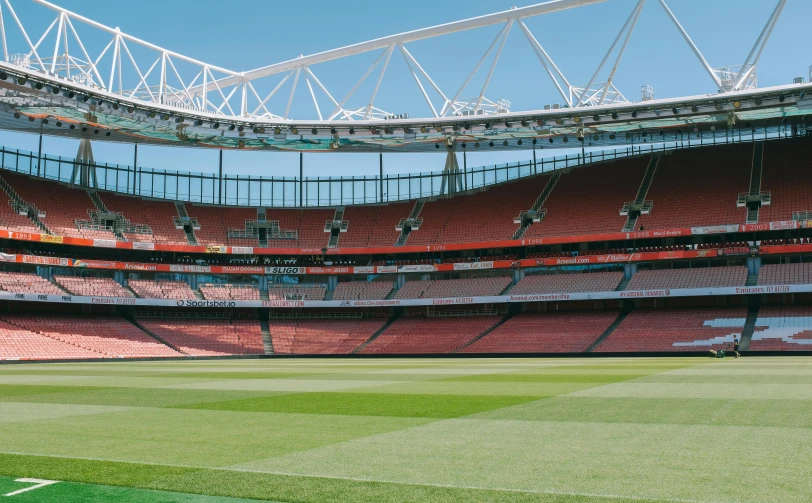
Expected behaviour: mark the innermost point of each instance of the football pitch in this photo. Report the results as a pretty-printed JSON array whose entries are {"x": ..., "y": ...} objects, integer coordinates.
[{"x": 597, "y": 430}]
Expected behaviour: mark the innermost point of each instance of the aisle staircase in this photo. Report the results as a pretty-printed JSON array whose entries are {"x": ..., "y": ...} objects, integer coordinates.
[
  {"x": 640, "y": 206},
  {"x": 411, "y": 223},
  {"x": 535, "y": 214}
]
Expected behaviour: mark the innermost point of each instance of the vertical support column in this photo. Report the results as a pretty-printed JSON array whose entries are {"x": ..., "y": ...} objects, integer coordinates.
[
  {"x": 535, "y": 170},
  {"x": 220, "y": 180},
  {"x": 464, "y": 170},
  {"x": 135, "y": 169},
  {"x": 380, "y": 177},
  {"x": 39, "y": 151},
  {"x": 301, "y": 179}
]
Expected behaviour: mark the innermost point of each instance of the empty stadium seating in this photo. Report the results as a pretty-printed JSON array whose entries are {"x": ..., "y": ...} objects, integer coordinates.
[
  {"x": 149, "y": 289},
  {"x": 216, "y": 221},
  {"x": 330, "y": 336},
  {"x": 373, "y": 225},
  {"x": 225, "y": 291},
  {"x": 786, "y": 175},
  {"x": 296, "y": 292},
  {"x": 103, "y": 337},
  {"x": 13, "y": 221},
  {"x": 420, "y": 335},
  {"x": 20, "y": 344},
  {"x": 784, "y": 328},
  {"x": 575, "y": 282},
  {"x": 545, "y": 333},
  {"x": 707, "y": 277},
  {"x": 469, "y": 287},
  {"x": 676, "y": 330},
  {"x": 158, "y": 215},
  {"x": 91, "y": 286},
  {"x": 208, "y": 337},
  {"x": 27, "y": 283},
  {"x": 362, "y": 290},
  {"x": 785, "y": 274}
]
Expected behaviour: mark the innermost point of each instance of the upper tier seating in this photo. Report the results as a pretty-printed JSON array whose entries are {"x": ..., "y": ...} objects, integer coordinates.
[
  {"x": 158, "y": 215},
  {"x": 362, "y": 290},
  {"x": 785, "y": 274},
  {"x": 784, "y": 328},
  {"x": 575, "y": 282},
  {"x": 419, "y": 335},
  {"x": 163, "y": 289},
  {"x": 483, "y": 216},
  {"x": 62, "y": 205},
  {"x": 225, "y": 291},
  {"x": 545, "y": 333},
  {"x": 698, "y": 187},
  {"x": 107, "y": 337},
  {"x": 322, "y": 336},
  {"x": 676, "y": 330},
  {"x": 209, "y": 337},
  {"x": 23, "y": 282},
  {"x": 296, "y": 292},
  {"x": 90, "y": 286},
  {"x": 469, "y": 287},
  {"x": 370, "y": 226},
  {"x": 588, "y": 200},
  {"x": 705, "y": 277},
  {"x": 13, "y": 221},
  {"x": 785, "y": 173},
  {"x": 17, "y": 343},
  {"x": 215, "y": 222}
]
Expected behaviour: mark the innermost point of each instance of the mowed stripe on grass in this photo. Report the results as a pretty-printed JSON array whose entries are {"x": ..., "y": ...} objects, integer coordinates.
[{"x": 473, "y": 430}]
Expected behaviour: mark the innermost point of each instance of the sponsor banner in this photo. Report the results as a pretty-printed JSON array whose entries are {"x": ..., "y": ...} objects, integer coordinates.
[
  {"x": 205, "y": 303},
  {"x": 239, "y": 269},
  {"x": 189, "y": 268},
  {"x": 5, "y": 257},
  {"x": 141, "y": 267},
  {"x": 283, "y": 303},
  {"x": 329, "y": 270},
  {"x": 279, "y": 271},
  {"x": 55, "y": 261},
  {"x": 104, "y": 243},
  {"x": 364, "y": 269},
  {"x": 386, "y": 269},
  {"x": 656, "y": 233},
  {"x": 47, "y": 238},
  {"x": 786, "y": 224},
  {"x": 715, "y": 229},
  {"x": 733, "y": 251},
  {"x": 216, "y": 249},
  {"x": 540, "y": 297},
  {"x": 371, "y": 303},
  {"x": 141, "y": 245},
  {"x": 242, "y": 250},
  {"x": 472, "y": 266},
  {"x": 417, "y": 268}
]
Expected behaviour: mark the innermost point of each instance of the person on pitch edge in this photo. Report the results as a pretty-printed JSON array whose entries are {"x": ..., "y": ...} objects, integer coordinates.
[{"x": 736, "y": 347}]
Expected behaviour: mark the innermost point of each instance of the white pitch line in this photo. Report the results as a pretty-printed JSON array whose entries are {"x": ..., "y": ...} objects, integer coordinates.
[{"x": 39, "y": 483}]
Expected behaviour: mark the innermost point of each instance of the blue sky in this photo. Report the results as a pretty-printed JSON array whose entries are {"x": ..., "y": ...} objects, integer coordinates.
[{"x": 245, "y": 35}]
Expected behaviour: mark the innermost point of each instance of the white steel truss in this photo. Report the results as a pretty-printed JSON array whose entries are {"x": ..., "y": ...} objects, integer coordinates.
[{"x": 163, "y": 78}]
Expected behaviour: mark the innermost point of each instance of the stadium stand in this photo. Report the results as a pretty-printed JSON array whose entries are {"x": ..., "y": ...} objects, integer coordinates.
[
  {"x": 588, "y": 200},
  {"x": 786, "y": 176},
  {"x": 208, "y": 337},
  {"x": 782, "y": 328},
  {"x": 27, "y": 283},
  {"x": 20, "y": 344},
  {"x": 90, "y": 286},
  {"x": 707, "y": 277},
  {"x": 216, "y": 221},
  {"x": 692, "y": 188},
  {"x": 545, "y": 333},
  {"x": 226, "y": 291},
  {"x": 785, "y": 274},
  {"x": 296, "y": 292},
  {"x": 105, "y": 337},
  {"x": 158, "y": 215},
  {"x": 574, "y": 282},
  {"x": 13, "y": 221},
  {"x": 333, "y": 336},
  {"x": 164, "y": 289},
  {"x": 373, "y": 225},
  {"x": 363, "y": 290},
  {"x": 422, "y": 335},
  {"x": 469, "y": 287},
  {"x": 675, "y": 330}
]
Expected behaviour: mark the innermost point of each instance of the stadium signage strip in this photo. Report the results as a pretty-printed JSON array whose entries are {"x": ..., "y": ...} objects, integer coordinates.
[
  {"x": 336, "y": 270},
  {"x": 480, "y": 245},
  {"x": 449, "y": 301}
]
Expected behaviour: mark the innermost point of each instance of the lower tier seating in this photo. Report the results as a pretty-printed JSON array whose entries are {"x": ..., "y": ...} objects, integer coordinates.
[
  {"x": 785, "y": 274},
  {"x": 470, "y": 287},
  {"x": 782, "y": 329},
  {"x": 335, "y": 336},
  {"x": 362, "y": 290},
  {"x": 417, "y": 334},
  {"x": 706, "y": 277},
  {"x": 20, "y": 344},
  {"x": 149, "y": 289},
  {"x": 22, "y": 282},
  {"x": 676, "y": 330},
  {"x": 101, "y": 337},
  {"x": 229, "y": 292},
  {"x": 90, "y": 286},
  {"x": 545, "y": 333},
  {"x": 576, "y": 282},
  {"x": 209, "y": 337}
]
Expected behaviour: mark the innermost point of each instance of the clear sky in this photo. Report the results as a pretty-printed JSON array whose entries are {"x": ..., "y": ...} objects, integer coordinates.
[{"x": 248, "y": 34}]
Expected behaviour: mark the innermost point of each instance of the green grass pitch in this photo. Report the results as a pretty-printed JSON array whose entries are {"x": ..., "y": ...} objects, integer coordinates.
[{"x": 608, "y": 430}]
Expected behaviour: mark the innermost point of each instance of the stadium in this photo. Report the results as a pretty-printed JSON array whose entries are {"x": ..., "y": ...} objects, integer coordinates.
[{"x": 559, "y": 328}]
